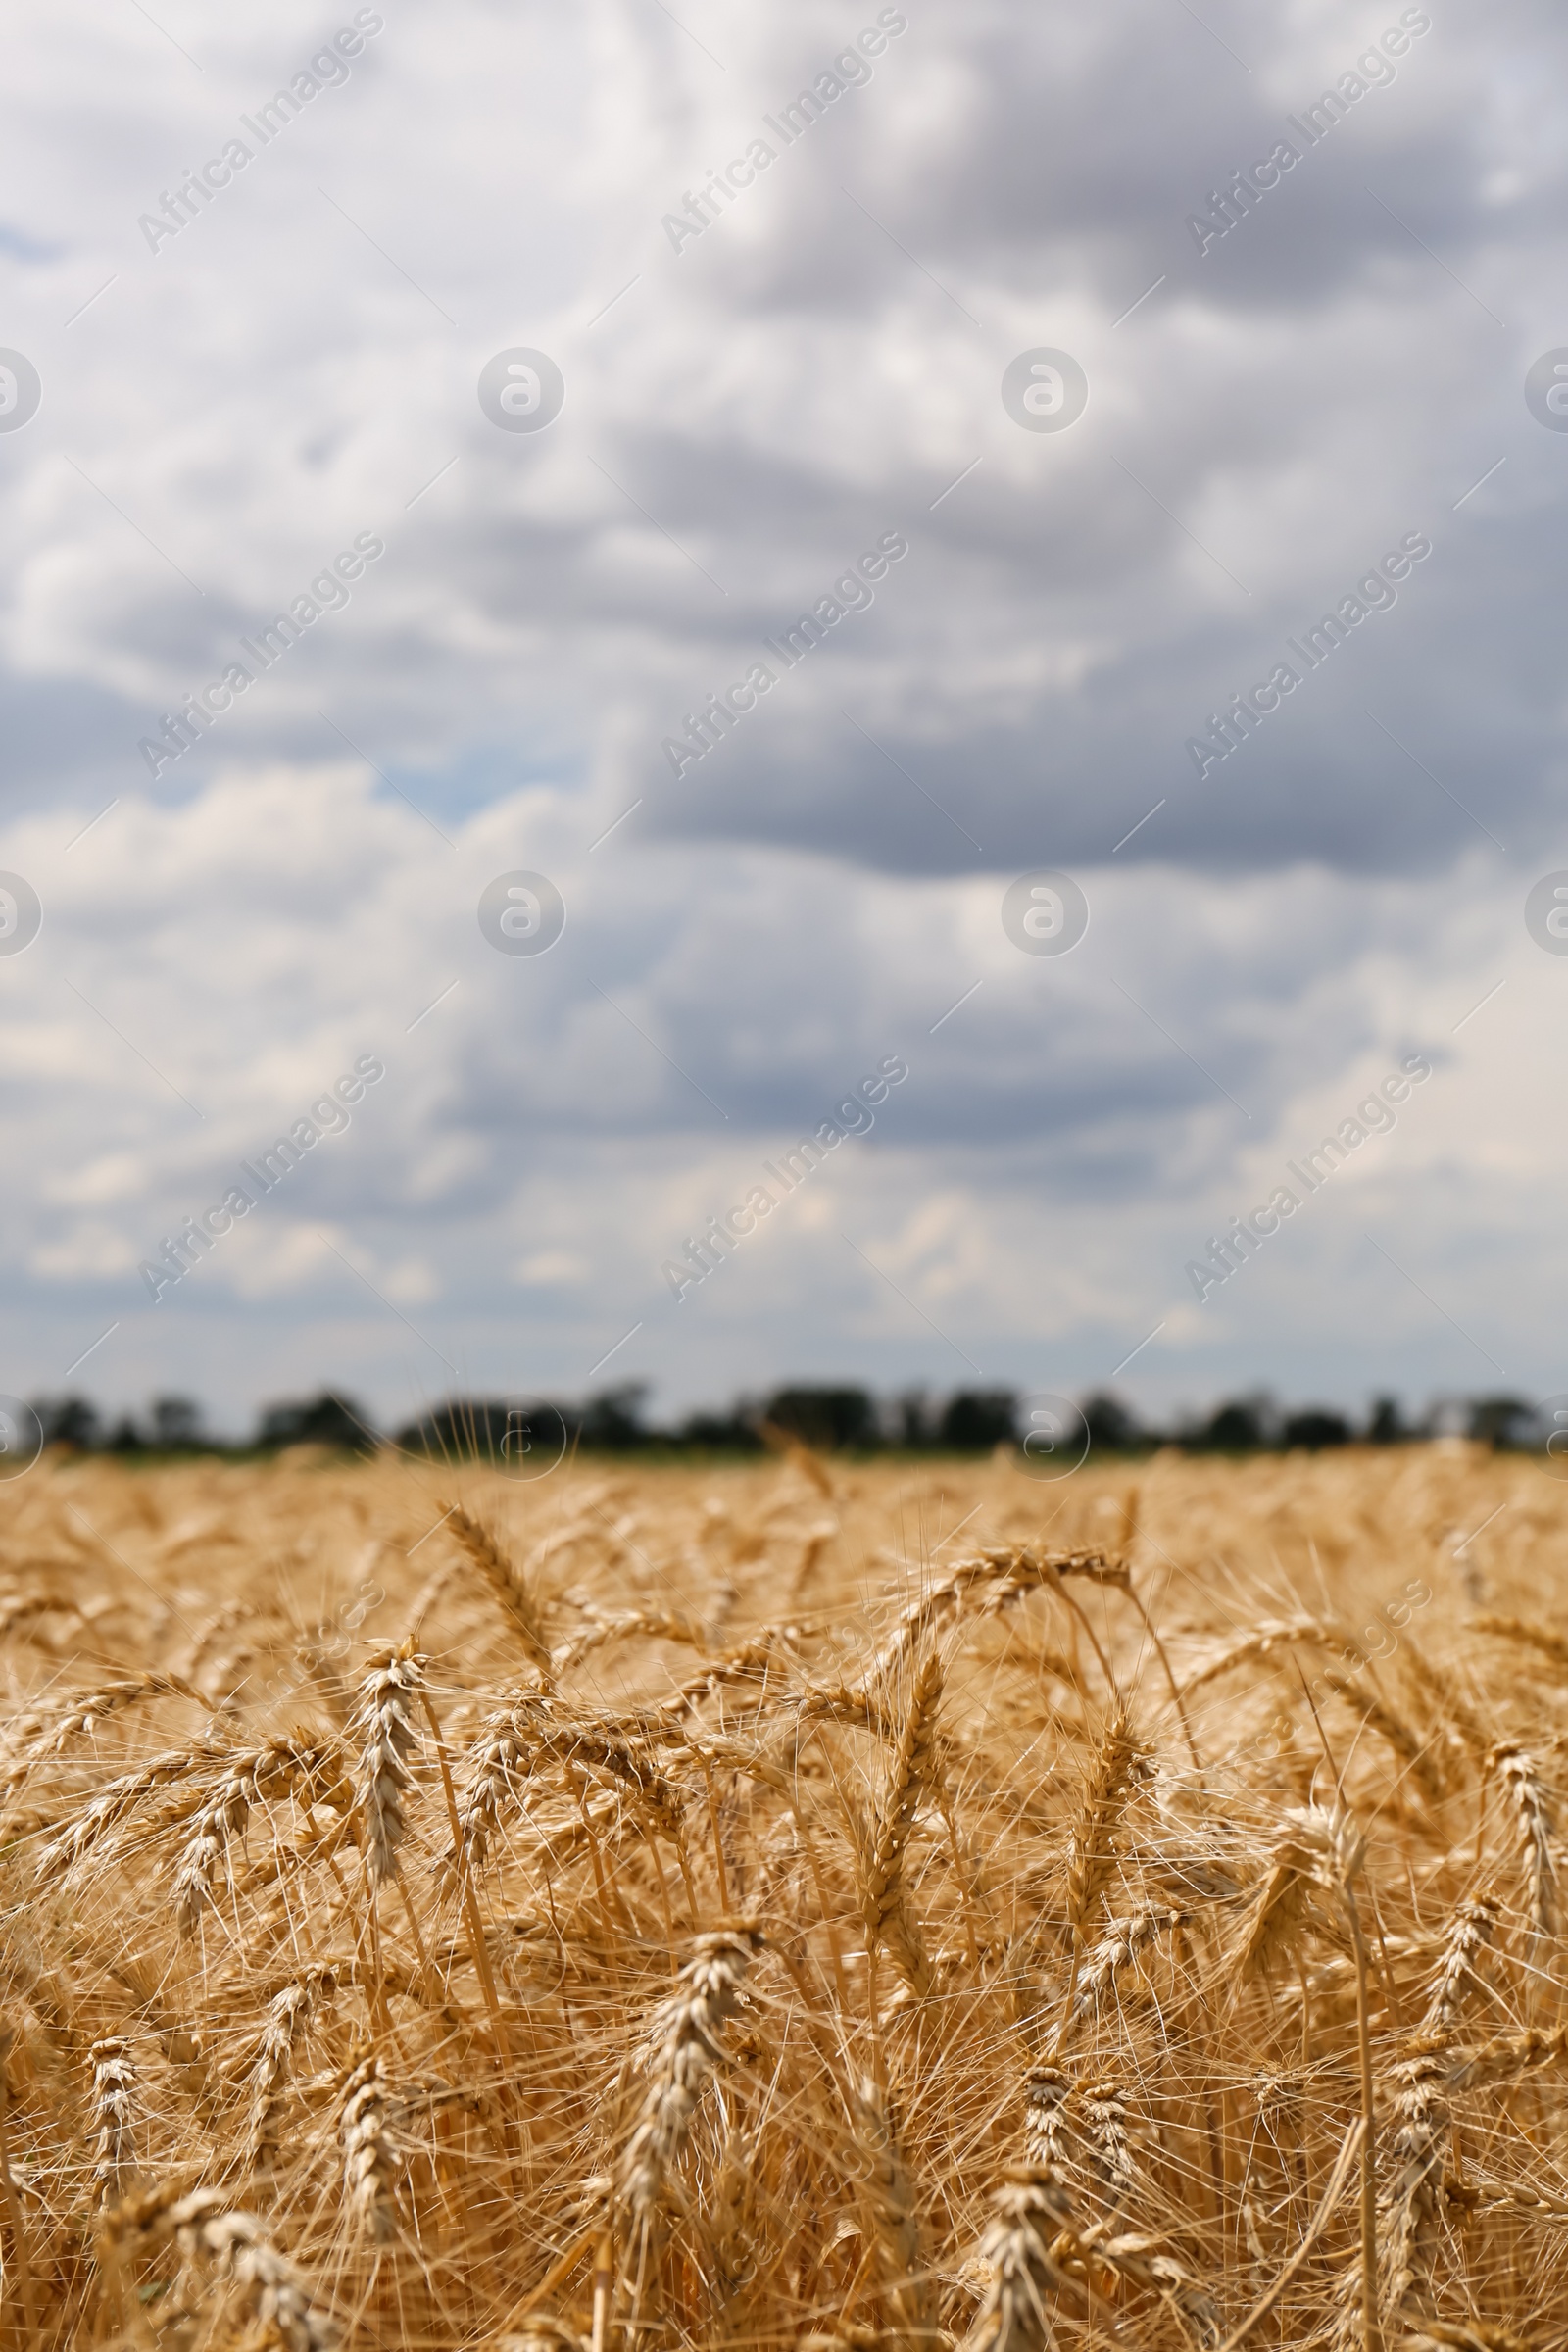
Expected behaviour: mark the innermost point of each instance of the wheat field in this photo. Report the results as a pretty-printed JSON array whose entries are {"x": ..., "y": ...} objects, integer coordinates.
[{"x": 806, "y": 1902}]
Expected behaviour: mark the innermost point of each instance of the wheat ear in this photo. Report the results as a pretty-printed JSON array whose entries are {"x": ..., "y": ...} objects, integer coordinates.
[
  {"x": 684, "y": 2049},
  {"x": 1474, "y": 1926},
  {"x": 288, "y": 2014},
  {"x": 1460, "y": 1721},
  {"x": 370, "y": 2168},
  {"x": 510, "y": 1585},
  {"x": 1143, "y": 2261},
  {"x": 51, "y": 1733},
  {"x": 1047, "y": 2133},
  {"x": 1524, "y": 1629},
  {"x": 113, "y": 1806},
  {"x": 1029, "y": 2210},
  {"x": 1282, "y": 1904},
  {"x": 499, "y": 1758},
  {"x": 1091, "y": 1849},
  {"x": 653, "y": 1625},
  {"x": 1107, "y": 2138},
  {"x": 890, "y": 1919},
  {"x": 1520, "y": 1775},
  {"x": 113, "y": 2089},
  {"x": 1147, "y": 2263},
  {"x": 1322, "y": 1845},
  {"x": 1379, "y": 1717},
  {"x": 222, "y": 1817},
  {"x": 234, "y": 2246},
  {"x": 1510, "y": 2058},
  {"x": 1277, "y": 1632},
  {"x": 388, "y": 1736},
  {"x": 1091, "y": 1854},
  {"x": 1124, "y": 1939},
  {"x": 1420, "y": 2142}
]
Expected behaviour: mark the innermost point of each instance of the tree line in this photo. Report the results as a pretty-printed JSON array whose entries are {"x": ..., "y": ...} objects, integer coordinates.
[{"x": 831, "y": 1419}]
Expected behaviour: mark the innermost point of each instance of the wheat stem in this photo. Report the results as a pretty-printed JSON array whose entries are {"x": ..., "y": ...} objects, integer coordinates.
[{"x": 21, "y": 2253}]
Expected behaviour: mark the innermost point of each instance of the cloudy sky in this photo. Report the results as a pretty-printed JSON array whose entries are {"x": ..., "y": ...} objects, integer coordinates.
[{"x": 764, "y": 378}]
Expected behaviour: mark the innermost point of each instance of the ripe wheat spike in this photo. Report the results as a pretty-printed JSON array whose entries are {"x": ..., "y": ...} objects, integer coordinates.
[
  {"x": 1526, "y": 1798},
  {"x": 685, "y": 2045},
  {"x": 885, "y": 1900},
  {"x": 369, "y": 2166},
  {"x": 1474, "y": 1927},
  {"x": 114, "y": 2085},
  {"x": 233, "y": 2248},
  {"x": 389, "y": 1737},
  {"x": 509, "y": 1584},
  {"x": 1017, "y": 2314}
]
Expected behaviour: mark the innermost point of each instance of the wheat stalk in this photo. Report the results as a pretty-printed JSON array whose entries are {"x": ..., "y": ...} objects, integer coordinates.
[{"x": 894, "y": 2200}]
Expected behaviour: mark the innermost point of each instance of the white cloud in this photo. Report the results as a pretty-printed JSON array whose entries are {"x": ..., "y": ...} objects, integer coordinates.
[{"x": 551, "y": 1266}]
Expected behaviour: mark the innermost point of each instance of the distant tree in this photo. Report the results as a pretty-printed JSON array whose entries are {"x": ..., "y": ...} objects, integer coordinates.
[
  {"x": 1386, "y": 1425},
  {"x": 1504, "y": 1423},
  {"x": 720, "y": 1433},
  {"x": 1112, "y": 1429},
  {"x": 125, "y": 1437},
  {"x": 512, "y": 1435},
  {"x": 1316, "y": 1428},
  {"x": 826, "y": 1418},
  {"x": 324, "y": 1420},
  {"x": 460, "y": 1428},
  {"x": 976, "y": 1419},
  {"x": 909, "y": 1423},
  {"x": 614, "y": 1422},
  {"x": 67, "y": 1421},
  {"x": 1240, "y": 1426},
  {"x": 177, "y": 1424}
]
